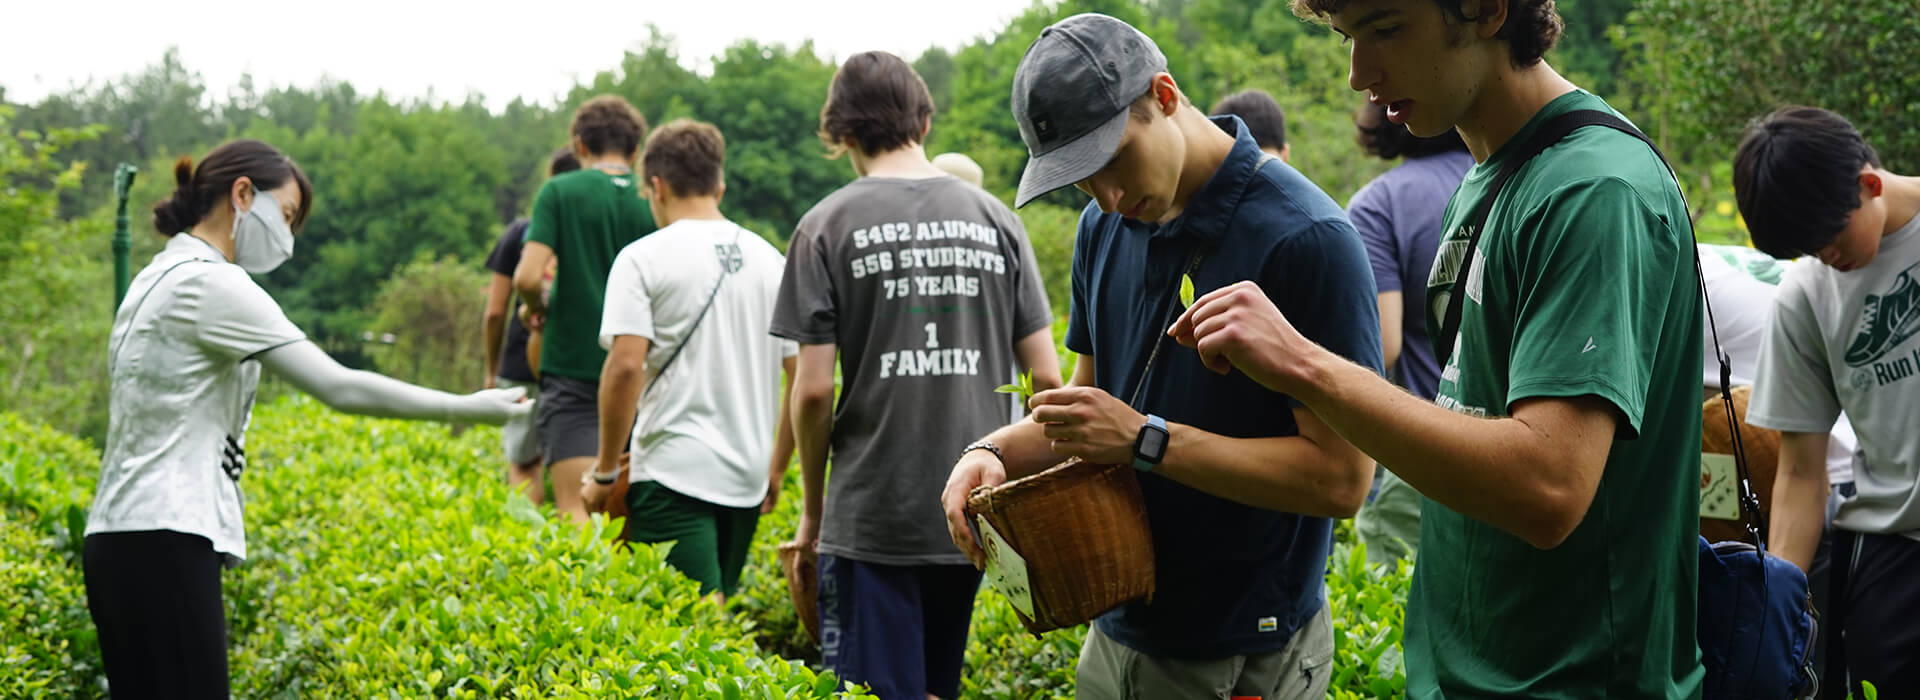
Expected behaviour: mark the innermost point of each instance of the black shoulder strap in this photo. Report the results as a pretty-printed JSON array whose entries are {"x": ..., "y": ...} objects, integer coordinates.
[
  {"x": 1173, "y": 308},
  {"x": 725, "y": 271},
  {"x": 1549, "y": 134}
]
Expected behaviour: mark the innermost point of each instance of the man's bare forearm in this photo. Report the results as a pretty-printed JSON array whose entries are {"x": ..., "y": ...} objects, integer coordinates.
[
  {"x": 1530, "y": 476},
  {"x": 1296, "y": 474},
  {"x": 1798, "y": 513}
]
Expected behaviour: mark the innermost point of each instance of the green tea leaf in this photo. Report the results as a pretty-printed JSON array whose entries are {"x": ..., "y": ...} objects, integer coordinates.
[
  {"x": 523, "y": 510},
  {"x": 1010, "y": 389},
  {"x": 1186, "y": 290}
]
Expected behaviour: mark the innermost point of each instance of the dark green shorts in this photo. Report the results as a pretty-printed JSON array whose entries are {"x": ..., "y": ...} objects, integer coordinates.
[{"x": 710, "y": 542}]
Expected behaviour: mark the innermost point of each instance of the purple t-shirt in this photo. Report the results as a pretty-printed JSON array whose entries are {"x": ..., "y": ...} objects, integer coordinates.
[{"x": 1399, "y": 216}]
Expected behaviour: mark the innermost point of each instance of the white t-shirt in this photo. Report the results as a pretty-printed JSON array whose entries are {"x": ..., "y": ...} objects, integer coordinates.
[
  {"x": 706, "y": 428},
  {"x": 1741, "y": 283},
  {"x": 181, "y": 359},
  {"x": 1851, "y": 340}
]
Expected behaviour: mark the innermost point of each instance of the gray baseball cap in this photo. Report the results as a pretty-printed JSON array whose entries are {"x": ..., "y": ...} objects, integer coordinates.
[{"x": 1070, "y": 96}]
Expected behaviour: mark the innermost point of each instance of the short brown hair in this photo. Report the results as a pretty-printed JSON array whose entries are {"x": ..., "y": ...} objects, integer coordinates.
[
  {"x": 688, "y": 155},
  {"x": 562, "y": 161},
  {"x": 876, "y": 100},
  {"x": 1531, "y": 30},
  {"x": 608, "y": 124}
]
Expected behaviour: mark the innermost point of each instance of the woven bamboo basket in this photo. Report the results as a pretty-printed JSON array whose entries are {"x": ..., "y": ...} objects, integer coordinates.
[
  {"x": 1763, "y": 455},
  {"x": 1082, "y": 530}
]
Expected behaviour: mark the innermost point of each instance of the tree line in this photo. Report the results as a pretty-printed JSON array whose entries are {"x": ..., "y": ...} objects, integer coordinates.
[{"x": 410, "y": 193}]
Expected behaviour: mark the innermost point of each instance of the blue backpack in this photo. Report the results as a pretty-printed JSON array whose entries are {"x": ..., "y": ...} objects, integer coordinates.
[
  {"x": 1756, "y": 623},
  {"x": 1756, "y": 620}
]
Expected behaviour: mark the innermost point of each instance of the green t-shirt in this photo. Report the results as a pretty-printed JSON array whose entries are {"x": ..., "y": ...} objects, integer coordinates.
[
  {"x": 1583, "y": 285},
  {"x": 586, "y": 217}
]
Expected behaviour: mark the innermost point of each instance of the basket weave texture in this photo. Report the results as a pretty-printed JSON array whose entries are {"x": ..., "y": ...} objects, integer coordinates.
[
  {"x": 1763, "y": 456},
  {"x": 1082, "y": 529}
]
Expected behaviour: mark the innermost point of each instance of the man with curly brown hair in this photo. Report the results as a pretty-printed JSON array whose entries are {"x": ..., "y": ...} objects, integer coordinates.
[
  {"x": 581, "y": 220},
  {"x": 1561, "y": 464}
]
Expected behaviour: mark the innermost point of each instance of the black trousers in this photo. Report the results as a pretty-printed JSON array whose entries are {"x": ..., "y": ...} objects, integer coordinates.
[
  {"x": 1879, "y": 607},
  {"x": 155, "y": 599}
]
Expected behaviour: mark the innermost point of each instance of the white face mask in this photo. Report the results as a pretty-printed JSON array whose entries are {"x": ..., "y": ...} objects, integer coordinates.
[{"x": 261, "y": 238}]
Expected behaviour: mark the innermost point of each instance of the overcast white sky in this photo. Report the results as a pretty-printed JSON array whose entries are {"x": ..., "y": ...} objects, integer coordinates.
[{"x": 534, "y": 49}]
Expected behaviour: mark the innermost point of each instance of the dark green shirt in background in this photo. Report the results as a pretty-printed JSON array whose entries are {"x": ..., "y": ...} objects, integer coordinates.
[
  {"x": 586, "y": 217},
  {"x": 1583, "y": 285}
]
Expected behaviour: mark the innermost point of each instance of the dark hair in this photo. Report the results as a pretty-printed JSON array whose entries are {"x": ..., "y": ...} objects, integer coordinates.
[
  {"x": 607, "y": 124},
  {"x": 1262, "y": 115},
  {"x": 1531, "y": 29},
  {"x": 562, "y": 161},
  {"x": 1386, "y": 140},
  {"x": 1797, "y": 179},
  {"x": 878, "y": 101},
  {"x": 197, "y": 190},
  {"x": 688, "y": 155}
]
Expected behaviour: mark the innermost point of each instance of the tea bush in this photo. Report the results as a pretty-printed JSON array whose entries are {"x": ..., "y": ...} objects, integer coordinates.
[
  {"x": 386, "y": 560},
  {"x": 47, "y": 642}
]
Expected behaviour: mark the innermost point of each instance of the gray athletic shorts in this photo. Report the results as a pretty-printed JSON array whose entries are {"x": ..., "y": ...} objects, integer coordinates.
[
  {"x": 1299, "y": 671},
  {"x": 518, "y": 438},
  {"x": 569, "y": 420}
]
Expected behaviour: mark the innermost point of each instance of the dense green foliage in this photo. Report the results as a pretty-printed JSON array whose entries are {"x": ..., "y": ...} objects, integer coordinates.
[
  {"x": 57, "y": 279},
  {"x": 1703, "y": 68},
  {"x": 400, "y": 182},
  {"x": 47, "y": 642},
  {"x": 431, "y": 310},
  {"x": 386, "y": 559}
]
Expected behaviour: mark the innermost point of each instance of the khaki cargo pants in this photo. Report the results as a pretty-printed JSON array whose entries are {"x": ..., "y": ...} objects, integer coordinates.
[{"x": 1110, "y": 671}]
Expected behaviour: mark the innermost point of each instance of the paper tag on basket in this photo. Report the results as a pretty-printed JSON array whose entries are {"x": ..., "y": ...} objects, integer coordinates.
[
  {"x": 1006, "y": 570},
  {"x": 1719, "y": 487}
]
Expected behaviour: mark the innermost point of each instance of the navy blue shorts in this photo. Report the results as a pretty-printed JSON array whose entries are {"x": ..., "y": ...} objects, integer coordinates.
[{"x": 899, "y": 630}]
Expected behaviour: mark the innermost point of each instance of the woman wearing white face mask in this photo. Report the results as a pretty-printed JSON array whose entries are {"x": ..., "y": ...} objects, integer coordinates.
[{"x": 185, "y": 355}]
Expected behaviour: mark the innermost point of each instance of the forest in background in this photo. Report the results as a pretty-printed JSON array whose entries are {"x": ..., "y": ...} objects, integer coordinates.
[{"x": 411, "y": 193}]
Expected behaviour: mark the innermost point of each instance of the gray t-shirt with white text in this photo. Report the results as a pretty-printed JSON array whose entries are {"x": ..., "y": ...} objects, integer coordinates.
[{"x": 925, "y": 285}]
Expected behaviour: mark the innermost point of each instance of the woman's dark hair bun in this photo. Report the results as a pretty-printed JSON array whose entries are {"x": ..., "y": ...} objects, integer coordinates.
[{"x": 176, "y": 213}]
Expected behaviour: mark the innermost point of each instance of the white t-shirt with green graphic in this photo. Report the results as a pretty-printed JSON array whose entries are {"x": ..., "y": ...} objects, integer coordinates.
[
  {"x": 1851, "y": 341},
  {"x": 1741, "y": 283}
]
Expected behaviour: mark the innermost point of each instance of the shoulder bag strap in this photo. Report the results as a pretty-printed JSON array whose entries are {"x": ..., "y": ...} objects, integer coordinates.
[{"x": 725, "y": 271}]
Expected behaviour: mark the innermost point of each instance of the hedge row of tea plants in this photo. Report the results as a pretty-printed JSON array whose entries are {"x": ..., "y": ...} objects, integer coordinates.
[{"x": 386, "y": 560}]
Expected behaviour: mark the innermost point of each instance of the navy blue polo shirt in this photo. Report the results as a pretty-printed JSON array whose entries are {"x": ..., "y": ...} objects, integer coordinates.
[{"x": 1232, "y": 579}]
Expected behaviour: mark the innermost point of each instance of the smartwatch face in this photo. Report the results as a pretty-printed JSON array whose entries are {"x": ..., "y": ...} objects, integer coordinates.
[{"x": 1153, "y": 443}]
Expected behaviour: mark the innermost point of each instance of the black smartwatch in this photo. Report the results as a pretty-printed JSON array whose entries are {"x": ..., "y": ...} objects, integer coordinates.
[{"x": 1151, "y": 445}]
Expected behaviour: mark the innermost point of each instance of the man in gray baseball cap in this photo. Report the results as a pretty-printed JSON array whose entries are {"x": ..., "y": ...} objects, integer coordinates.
[
  {"x": 1240, "y": 483},
  {"x": 1071, "y": 96}
]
